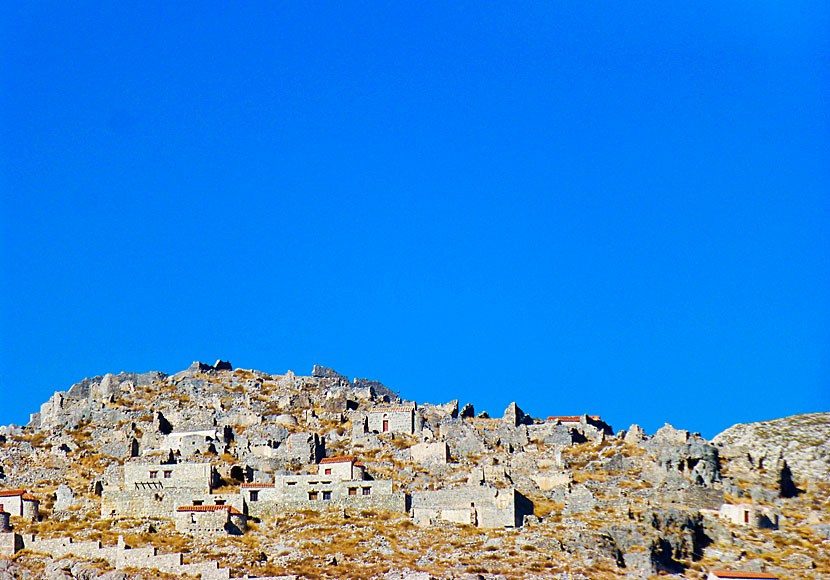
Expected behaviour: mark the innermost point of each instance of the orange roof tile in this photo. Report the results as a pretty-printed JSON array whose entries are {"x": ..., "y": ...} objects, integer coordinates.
[
  {"x": 209, "y": 508},
  {"x": 12, "y": 492},
  {"x": 344, "y": 459},
  {"x": 392, "y": 408},
  {"x": 739, "y": 574},
  {"x": 571, "y": 418},
  {"x": 28, "y": 497},
  {"x": 256, "y": 485}
]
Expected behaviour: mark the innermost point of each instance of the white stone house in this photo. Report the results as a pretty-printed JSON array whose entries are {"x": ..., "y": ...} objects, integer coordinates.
[
  {"x": 19, "y": 503},
  {"x": 210, "y": 519},
  {"x": 751, "y": 515},
  {"x": 345, "y": 468},
  {"x": 392, "y": 419}
]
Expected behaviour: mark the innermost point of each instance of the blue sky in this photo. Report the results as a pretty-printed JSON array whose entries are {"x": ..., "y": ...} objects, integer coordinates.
[{"x": 583, "y": 207}]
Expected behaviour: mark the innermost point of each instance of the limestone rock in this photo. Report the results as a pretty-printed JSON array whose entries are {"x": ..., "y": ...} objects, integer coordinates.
[
  {"x": 634, "y": 435},
  {"x": 803, "y": 441}
]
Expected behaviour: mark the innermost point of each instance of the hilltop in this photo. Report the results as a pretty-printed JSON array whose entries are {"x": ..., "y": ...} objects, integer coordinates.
[{"x": 228, "y": 472}]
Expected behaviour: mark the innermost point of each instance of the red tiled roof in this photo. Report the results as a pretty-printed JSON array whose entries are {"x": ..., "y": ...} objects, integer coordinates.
[
  {"x": 571, "y": 418},
  {"x": 256, "y": 485},
  {"x": 344, "y": 459},
  {"x": 358, "y": 464},
  {"x": 392, "y": 408},
  {"x": 209, "y": 508},
  {"x": 28, "y": 497},
  {"x": 739, "y": 574},
  {"x": 12, "y": 492}
]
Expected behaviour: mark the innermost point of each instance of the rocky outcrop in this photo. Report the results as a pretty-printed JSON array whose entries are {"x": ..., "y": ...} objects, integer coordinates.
[{"x": 803, "y": 441}]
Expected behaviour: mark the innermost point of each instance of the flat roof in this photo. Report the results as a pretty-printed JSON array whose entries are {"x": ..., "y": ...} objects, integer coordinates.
[{"x": 741, "y": 574}]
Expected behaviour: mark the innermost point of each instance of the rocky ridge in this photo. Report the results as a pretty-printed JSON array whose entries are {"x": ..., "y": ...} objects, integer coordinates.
[{"x": 606, "y": 503}]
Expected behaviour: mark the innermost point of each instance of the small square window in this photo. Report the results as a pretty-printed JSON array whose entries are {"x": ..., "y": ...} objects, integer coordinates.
[
  {"x": 254, "y": 495},
  {"x": 352, "y": 491},
  {"x": 312, "y": 495},
  {"x": 198, "y": 502},
  {"x": 367, "y": 491},
  {"x": 291, "y": 483},
  {"x": 326, "y": 495},
  {"x": 168, "y": 474},
  {"x": 327, "y": 471},
  {"x": 154, "y": 474},
  {"x": 220, "y": 502}
]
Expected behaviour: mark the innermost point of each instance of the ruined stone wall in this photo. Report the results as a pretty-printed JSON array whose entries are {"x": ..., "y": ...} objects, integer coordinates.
[
  {"x": 119, "y": 556},
  {"x": 484, "y": 507}
]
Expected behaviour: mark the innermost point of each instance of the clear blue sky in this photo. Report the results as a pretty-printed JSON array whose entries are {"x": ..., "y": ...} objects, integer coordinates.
[{"x": 583, "y": 207}]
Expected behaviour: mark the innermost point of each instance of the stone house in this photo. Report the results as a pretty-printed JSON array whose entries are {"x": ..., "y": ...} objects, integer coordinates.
[
  {"x": 480, "y": 506},
  {"x": 157, "y": 490},
  {"x": 340, "y": 482},
  {"x": 749, "y": 515},
  {"x": 19, "y": 503},
  {"x": 209, "y": 519},
  {"x": 345, "y": 468},
  {"x": 392, "y": 419}
]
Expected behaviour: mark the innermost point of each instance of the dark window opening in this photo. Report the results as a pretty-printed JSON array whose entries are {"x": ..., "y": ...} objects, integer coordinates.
[
  {"x": 312, "y": 495},
  {"x": 220, "y": 502},
  {"x": 254, "y": 495},
  {"x": 168, "y": 474},
  {"x": 352, "y": 491},
  {"x": 327, "y": 472},
  {"x": 198, "y": 502},
  {"x": 367, "y": 491},
  {"x": 326, "y": 495},
  {"x": 154, "y": 474}
]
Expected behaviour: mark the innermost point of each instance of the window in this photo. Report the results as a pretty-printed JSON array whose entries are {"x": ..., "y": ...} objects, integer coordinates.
[
  {"x": 367, "y": 491},
  {"x": 154, "y": 474},
  {"x": 312, "y": 495},
  {"x": 198, "y": 502},
  {"x": 168, "y": 474},
  {"x": 352, "y": 491},
  {"x": 326, "y": 482},
  {"x": 254, "y": 495},
  {"x": 291, "y": 483},
  {"x": 327, "y": 472},
  {"x": 326, "y": 495},
  {"x": 385, "y": 426},
  {"x": 220, "y": 502}
]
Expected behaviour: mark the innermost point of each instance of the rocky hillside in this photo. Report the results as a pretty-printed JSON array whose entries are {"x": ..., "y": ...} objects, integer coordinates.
[
  {"x": 605, "y": 502},
  {"x": 803, "y": 441}
]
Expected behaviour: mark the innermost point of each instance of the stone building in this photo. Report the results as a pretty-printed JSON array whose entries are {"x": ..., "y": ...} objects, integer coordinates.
[
  {"x": 340, "y": 482},
  {"x": 157, "y": 490},
  {"x": 210, "y": 519},
  {"x": 749, "y": 515},
  {"x": 483, "y": 507},
  {"x": 392, "y": 419},
  {"x": 19, "y": 503},
  {"x": 345, "y": 468}
]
